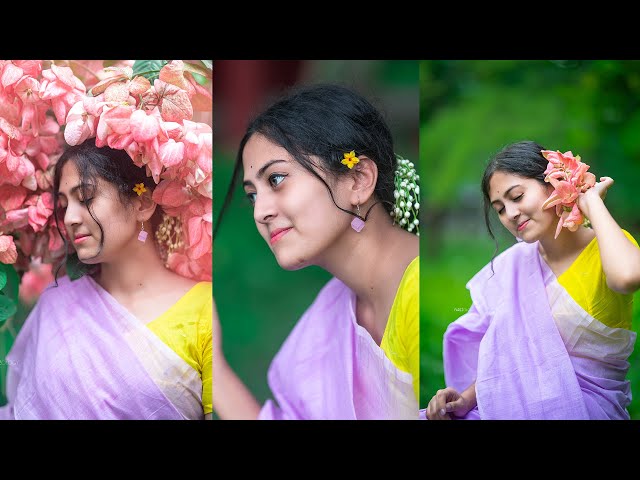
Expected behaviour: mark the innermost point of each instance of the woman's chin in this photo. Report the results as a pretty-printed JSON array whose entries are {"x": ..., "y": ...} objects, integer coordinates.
[{"x": 291, "y": 264}]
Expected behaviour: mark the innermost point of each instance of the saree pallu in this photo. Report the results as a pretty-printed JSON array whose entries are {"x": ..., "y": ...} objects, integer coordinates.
[
  {"x": 533, "y": 352},
  {"x": 330, "y": 368},
  {"x": 82, "y": 355}
]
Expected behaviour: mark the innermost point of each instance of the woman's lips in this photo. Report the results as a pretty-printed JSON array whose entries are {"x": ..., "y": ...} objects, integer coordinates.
[
  {"x": 80, "y": 239},
  {"x": 278, "y": 233},
  {"x": 522, "y": 225}
]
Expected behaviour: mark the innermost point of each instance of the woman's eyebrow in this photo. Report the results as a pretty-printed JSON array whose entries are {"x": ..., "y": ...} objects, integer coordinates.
[
  {"x": 506, "y": 193},
  {"x": 260, "y": 173}
]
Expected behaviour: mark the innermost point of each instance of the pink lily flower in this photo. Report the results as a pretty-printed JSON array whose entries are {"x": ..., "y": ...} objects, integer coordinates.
[
  {"x": 564, "y": 193},
  {"x": 574, "y": 219}
]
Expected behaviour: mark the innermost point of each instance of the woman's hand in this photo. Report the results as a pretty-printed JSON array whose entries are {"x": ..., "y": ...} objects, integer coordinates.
[
  {"x": 447, "y": 402},
  {"x": 596, "y": 193}
]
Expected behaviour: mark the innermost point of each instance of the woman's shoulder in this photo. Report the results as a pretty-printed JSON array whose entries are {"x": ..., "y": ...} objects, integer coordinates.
[
  {"x": 412, "y": 272},
  {"x": 62, "y": 285},
  {"x": 197, "y": 295},
  {"x": 505, "y": 262}
]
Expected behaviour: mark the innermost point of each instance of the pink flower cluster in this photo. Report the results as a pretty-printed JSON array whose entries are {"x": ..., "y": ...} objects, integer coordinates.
[
  {"x": 569, "y": 178},
  {"x": 34, "y": 102},
  {"x": 153, "y": 123}
]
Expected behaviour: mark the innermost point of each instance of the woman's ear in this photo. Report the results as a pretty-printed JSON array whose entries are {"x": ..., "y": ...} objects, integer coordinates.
[
  {"x": 363, "y": 181},
  {"x": 144, "y": 206}
]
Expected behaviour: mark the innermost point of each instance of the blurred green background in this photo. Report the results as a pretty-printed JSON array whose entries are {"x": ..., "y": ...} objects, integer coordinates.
[
  {"x": 469, "y": 110},
  {"x": 8, "y": 332},
  {"x": 258, "y": 302}
]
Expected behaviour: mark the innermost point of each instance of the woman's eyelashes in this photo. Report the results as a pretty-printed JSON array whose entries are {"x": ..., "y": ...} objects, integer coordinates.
[
  {"x": 275, "y": 179},
  {"x": 515, "y": 199}
]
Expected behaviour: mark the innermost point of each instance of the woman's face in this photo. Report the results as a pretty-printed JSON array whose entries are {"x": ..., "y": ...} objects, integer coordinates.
[
  {"x": 518, "y": 203},
  {"x": 292, "y": 208},
  {"x": 119, "y": 224}
]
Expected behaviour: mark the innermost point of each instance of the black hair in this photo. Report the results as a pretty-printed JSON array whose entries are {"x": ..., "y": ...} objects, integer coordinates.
[
  {"x": 521, "y": 158},
  {"x": 111, "y": 165},
  {"x": 325, "y": 121}
]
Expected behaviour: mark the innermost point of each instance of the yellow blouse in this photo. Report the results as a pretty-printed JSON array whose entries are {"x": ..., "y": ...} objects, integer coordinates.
[
  {"x": 186, "y": 328},
  {"x": 401, "y": 338},
  {"x": 586, "y": 282}
]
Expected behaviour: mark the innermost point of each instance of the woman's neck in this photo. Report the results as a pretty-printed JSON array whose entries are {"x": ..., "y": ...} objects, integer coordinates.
[
  {"x": 566, "y": 246},
  {"x": 371, "y": 263},
  {"x": 133, "y": 273}
]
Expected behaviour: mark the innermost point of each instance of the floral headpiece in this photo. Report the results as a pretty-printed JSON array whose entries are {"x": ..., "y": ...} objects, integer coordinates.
[
  {"x": 569, "y": 178},
  {"x": 407, "y": 195},
  {"x": 121, "y": 108}
]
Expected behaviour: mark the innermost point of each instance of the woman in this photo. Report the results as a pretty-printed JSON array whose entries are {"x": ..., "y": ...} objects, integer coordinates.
[
  {"x": 319, "y": 169},
  {"x": 548, "y": 335},
  {"x": 129, "y": 339}
]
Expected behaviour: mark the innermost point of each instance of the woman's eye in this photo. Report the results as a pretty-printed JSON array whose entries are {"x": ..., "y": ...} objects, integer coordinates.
[
  {"x": 500, "y": 211},
  {"x": 252, "y": 197},
  {"x": 275, "y": 179},
  {"x": 518, "y": 197}
]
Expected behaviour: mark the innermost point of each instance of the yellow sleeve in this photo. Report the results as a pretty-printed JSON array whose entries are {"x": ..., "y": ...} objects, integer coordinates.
[
  {"x": 205, "y": 341},
  {"x": 630, "y": 237},
  {"x": 401, "y": 340},
  {"x": 411, "y": 328}
]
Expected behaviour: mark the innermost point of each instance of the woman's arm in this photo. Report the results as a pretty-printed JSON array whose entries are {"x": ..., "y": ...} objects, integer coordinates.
[
  {"x": 620, "y": 257},
  {"x": 231, "y": 398}
]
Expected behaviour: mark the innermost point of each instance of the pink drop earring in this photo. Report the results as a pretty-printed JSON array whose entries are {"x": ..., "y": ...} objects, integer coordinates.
[
  {"x": 142, "y": 236},
  {"x": 357, "y": 223}
]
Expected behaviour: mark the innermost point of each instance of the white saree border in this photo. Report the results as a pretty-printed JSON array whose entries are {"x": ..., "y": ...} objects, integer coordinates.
[
  {"x": 590, "y": 343},
  {"x": 400, "y": 403},
  {"x": 178, "y": 381}
]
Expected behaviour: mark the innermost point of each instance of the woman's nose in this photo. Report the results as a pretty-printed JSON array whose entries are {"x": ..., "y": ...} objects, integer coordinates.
[{"x": 264, "y": 208}]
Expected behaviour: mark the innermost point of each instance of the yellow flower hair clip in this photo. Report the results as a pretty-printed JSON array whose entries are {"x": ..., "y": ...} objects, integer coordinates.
[
  {"x": 139, "y": 188},
  {"x": 350, "y": 159}
]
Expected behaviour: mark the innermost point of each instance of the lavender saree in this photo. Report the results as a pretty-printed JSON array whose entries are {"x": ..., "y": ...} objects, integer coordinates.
[
  {"x": 533, "y": 352},
  {"x": 331, "y": 368},
  {"x": 82, "y": 355}
]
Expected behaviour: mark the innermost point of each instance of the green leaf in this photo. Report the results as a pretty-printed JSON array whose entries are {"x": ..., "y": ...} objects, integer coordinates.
[
  {"x": 8, "y": 308},
  {"x": 3, "y": 275},
  {"x": 150, "y": 69},
  {"x": 12, "y": 286},
  {"x": 198, "y": 69}
]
